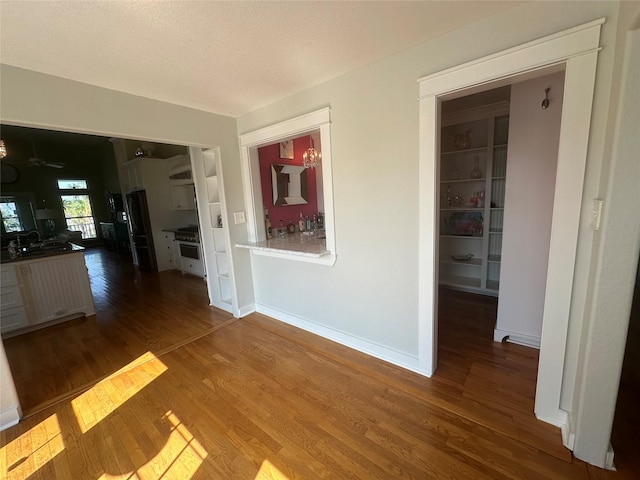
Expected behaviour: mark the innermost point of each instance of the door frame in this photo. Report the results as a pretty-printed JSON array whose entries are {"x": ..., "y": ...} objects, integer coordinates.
[{"x": 575, "y": 50}]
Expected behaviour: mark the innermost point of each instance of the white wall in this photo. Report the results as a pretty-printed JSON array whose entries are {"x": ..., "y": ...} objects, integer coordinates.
[
  {"x": 10, "y": 411},
  {"x": 534, "y": 135},
  {"x": 371, "y": 293},
  {"x": 34, "y": 99}
]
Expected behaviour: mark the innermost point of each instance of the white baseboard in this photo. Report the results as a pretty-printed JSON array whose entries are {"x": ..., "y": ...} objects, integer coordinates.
[
  {"x": 514, "y": 337},
  {"x": 395, "y": 357},
  {"x": 246, "y": 310},
  {"x": 608, "y": 463},
  {"x": 9, "y": 417},
  {"x": 568, "y": 432}
]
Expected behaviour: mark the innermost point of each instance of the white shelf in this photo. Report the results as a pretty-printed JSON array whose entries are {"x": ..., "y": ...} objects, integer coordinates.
[
  {"x": 466, "y": 150},
  {"x": 213, "y": 192},
  {"x": 474, "y": 262},
  {"x": 462, "y": 209},
  {"x": 481, "y": 274},
  {"x": 456, "y": 281},
  {"x": 466, "y": 180}
]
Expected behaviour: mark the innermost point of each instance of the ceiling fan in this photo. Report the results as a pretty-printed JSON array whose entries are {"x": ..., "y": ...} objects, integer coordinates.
[{"x": 38, "y": 162}]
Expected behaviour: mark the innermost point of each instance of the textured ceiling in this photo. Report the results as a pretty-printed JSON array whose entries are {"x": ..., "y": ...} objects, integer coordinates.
[{"x": 222, "y": 57}]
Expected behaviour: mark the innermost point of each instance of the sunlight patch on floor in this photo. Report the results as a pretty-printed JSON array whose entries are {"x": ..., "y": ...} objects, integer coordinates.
[
  {"x": 36, "y": 447},
  {"x": 180, "y": 457},
  {"x": 268, "y": 471},
  {"x": 104, "y": 398}
]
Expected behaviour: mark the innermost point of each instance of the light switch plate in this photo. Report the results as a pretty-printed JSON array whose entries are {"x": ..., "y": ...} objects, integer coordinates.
[
  {"x": 596, "y": 214},
  {"x": 238, "y": 217}
]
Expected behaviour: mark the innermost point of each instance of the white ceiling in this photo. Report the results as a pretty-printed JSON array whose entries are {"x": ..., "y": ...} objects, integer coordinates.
[{"x": 222, "y": 57}]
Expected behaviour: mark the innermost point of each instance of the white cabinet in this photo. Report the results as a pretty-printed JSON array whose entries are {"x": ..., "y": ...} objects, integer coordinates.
[
  {"x": 12, "y": 310},
  {"x": 58, "y": 286},
  {"x": 473, "y": 166},
  {"x": 134, "y": 175},
  {"x": 168, "y": 250},
  {"x": 44, "y": 291},
  {"x": 183, "y": 196},
  {"x": 192, "y": 266}
]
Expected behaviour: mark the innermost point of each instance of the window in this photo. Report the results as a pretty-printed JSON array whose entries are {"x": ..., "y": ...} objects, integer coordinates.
[
  {"x": 10, "y": 216},
  {"x": 76, "y": 205}
]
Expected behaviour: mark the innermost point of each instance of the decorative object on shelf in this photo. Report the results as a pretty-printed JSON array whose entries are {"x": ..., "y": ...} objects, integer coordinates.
[
  {"x": 475, "y": 172},
  {"x": 3, "y": 149},
  {"x": 480, "y": 196},
  {"x": 466, "y": 224},
  {"x": 462, "y": 141},
  {"x": 462, "y": 258},
  {"x": 286, "y": 149},
  {"x": 545, "y": 102},
  {"x": 219, "y": 221},
  {"x": 311, "y": 157},
  {"x": 454, "y": 200},
  {"x": 454, "y": 174}
]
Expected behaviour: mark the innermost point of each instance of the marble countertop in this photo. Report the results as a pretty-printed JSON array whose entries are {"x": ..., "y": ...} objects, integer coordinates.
[{"x": 293, "y": 244}]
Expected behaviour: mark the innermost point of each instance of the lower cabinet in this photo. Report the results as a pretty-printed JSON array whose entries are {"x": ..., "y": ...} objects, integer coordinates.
[
  {"x": 192, "y": 266},
  {"x": 45, "y": 291}
]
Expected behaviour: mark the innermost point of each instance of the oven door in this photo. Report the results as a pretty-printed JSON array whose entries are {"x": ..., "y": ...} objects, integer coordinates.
[{"x": 189, "y": 250}]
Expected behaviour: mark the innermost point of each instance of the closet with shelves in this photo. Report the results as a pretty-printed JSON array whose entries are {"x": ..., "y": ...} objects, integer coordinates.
[{"x": 473, "y": 163}]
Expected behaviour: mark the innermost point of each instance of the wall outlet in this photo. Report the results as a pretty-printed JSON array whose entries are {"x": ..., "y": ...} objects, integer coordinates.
[{"x": 238, "y": 217}]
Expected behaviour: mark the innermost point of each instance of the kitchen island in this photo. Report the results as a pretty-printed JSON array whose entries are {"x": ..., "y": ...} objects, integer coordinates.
[{"x": 43, "y": 288}]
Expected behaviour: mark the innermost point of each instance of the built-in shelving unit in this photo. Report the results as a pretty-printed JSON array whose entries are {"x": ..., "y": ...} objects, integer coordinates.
[
  {"x": 215, "y": 235},
  {"x": 472, "y": 190}
]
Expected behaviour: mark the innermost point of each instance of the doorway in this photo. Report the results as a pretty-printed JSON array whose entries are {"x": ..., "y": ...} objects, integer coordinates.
[{"x": 575, "y": 50}]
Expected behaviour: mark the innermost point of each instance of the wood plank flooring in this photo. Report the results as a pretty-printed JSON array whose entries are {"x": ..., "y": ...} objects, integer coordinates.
[
  {"x": 135, "y": 312},
  {"x": 258, "y": 399}
]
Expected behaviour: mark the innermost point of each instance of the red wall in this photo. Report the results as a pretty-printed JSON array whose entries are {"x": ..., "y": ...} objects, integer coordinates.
[{"x": 268, "y": 156}]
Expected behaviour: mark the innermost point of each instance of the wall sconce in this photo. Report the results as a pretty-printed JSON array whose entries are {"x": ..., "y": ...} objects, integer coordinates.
[{"x": 3, "y": 149}]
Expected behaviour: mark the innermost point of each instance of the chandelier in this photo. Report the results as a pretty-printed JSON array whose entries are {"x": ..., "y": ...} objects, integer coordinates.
[
  {"x": 311, "y": 157},
  {"x": 3, "y": 149}
]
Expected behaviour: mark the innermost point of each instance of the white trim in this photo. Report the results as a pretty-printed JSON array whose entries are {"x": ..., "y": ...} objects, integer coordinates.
[
  {"x": 327, "y": 259},
  {"x": 568, "y": 433},
  {"x": 294, "y": 127},
  {"x": 608, "y": 462},
  {"x": 246, "y": 310},
  {"x": 577, "y": 49},
  {"x": 395, "y": 357},
  {"x": 9, "y": 417},
  {"x": 515, "y": 337}
]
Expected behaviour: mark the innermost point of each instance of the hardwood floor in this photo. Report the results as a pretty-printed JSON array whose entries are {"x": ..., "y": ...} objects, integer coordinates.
[
  {"x": 258, "y": 399},
  {"x": 135, "y": 312}
]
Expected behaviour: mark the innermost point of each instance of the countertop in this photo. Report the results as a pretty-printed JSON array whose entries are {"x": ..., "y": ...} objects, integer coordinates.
[
  {"x": 45, "y": 253},
  {"x": 293, "y": 244}
]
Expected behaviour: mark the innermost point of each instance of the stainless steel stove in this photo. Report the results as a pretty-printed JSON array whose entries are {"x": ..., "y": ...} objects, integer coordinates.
[{"x": 188, "y": 234}]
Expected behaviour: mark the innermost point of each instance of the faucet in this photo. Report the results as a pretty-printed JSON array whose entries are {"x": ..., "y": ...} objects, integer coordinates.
[{"x": 27, "y": 235}]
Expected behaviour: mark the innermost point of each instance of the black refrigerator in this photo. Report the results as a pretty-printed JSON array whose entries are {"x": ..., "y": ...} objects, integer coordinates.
[{"x": 140, "y": 227}]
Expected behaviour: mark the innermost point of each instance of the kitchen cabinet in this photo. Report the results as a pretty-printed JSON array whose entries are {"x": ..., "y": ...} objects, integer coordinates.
[
  {"x": 12, "y": 310},
  {"x": 183, "y": 196},
  {"x": 42, "y": 291},
  {"x": 473, "y": 164},
  {"x": 168, "y": 250}
]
